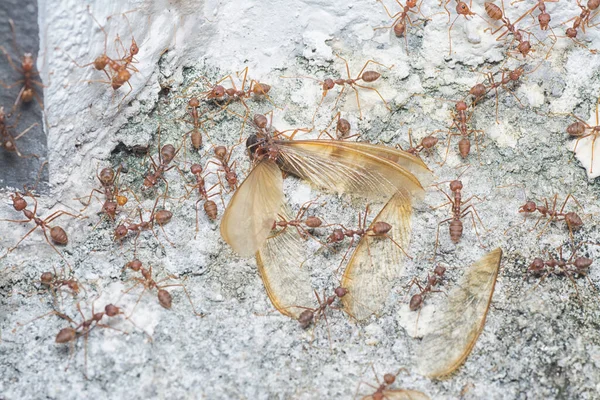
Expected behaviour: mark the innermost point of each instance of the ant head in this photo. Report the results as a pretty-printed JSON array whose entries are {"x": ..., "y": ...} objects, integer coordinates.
[
  {"x": 135, "y": 264},
  {"x": 231, "y": 178},
  {"x": 120, "y": 232},
  {"x": 463, "y": 9},
  {"x": 343, "y": 126},
  {"x": 536, "y": 266},
  {"x": 196, "y": 169},
  {"x": 217, "y": 92},
  {"x": 461, "y": 106},
  {"x": 544, "y": 19},
  {"x": 529, "y": 207},
  {"x": 194, "y": 102},
  {"x": 340, "y": 291},
  {"x": 571, "y": 33},
  {"x": 524, "y": 48},
  {"x": 260, "y": 121},
  {"x": 134, "y": 49},
  {"x": 110, "y": 208},
  {"x": 411, "y": 3},
  {"x": 27, "y": 62},
  {"x": 336, "y": 236},
  {"x": 107, "y": 176},
  {"x": 456, "y": 185},
  {"x": 150, "y": 180},
  {"x": 389, "y": 378},
  {"x": 328, "y": 84},
  {"x": 220, "y": 152},
  {"x": 252, "y": 145},
  {"x": 439, "y": 270},
  {"x": 47, "y": 278},
  {"x": 19, "y": 203},
  {"x": 111, "y": 310},
  {"x": 516, "y": 73}
]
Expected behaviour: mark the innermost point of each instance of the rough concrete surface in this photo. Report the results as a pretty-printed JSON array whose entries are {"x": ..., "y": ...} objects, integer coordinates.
[{"x": 538, "y": 341}]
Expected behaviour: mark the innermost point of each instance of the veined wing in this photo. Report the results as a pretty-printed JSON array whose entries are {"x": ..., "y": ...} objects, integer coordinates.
[
  {"x": 330, "y": 165},
  {"x": 461, "y": 321},
  {"x": 377, "y": 261},
  {"x": 406, "y": 160},
  {"x": 279, "y": 262},
  {"x": 249, "y": 216},
  {"x": 400, "y": 394}
]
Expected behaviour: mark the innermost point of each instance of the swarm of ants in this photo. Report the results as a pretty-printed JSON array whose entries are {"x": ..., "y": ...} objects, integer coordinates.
[{"x": 251, "y": 209}]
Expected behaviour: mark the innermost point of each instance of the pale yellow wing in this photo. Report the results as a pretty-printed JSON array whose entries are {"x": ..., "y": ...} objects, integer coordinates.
[
  {"x": 377, "y": 261},
  {"x": 406, "y": 160},
  {"x": 459, "y": 324},
  {"x": 400, "y": 394},
  {"x": 279, "y": 262},
  {"x": 249, "y": 216},
  {"x": 330, "y": 165}
]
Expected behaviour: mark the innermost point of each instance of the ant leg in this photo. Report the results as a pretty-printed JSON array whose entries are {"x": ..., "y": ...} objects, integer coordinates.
[
  {"x": 376, "y": 91},
  {"x": 437, "y": 236}
]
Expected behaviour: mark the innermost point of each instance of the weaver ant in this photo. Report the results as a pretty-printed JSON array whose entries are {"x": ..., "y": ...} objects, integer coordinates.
[
  {"x": 497, "y": 14},
  {"x": 580, "y": 130},
  {"x": 210, "y": 207},
  {"x": 7, "y": 140},
  {"x": 543, "y": 17},
  {"x": 342, "y": 129},
  {"x": 164, "y": 297},
  {"x": 461, "y": 9},
  {"x": 58, "y": 235},
  {"x": 426, "y": 144},
  {"x": 460, "y": 209},
  {"x": 109, "y": 188},
  {"x": 417, "y": 300},
  {"x": 27, "y": 92},
  {"x": 572, "y": 219},
  {"x": 401, "y": 18}
]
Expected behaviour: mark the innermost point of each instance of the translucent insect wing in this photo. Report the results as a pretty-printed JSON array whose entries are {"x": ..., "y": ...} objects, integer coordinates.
[
  {"x": 401, "y": 394},
  {"x": 249, "y": 217},
  {"x": 406, "y": 160},
  {"x": 377, "y": 261},
  {"x": 460, "y": 323},
  {"x": 330, "y": 165},
  {"x": 279, "y": 263}
]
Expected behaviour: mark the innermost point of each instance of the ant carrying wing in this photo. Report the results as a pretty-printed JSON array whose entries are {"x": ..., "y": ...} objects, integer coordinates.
[
  {"x": 353, "y": 168},
  {"x": 248, "y": 219},
  {"x": 279, "y": 264},
  {"x": 461, "y": 321},
  {"x": 376, "y": 262}
]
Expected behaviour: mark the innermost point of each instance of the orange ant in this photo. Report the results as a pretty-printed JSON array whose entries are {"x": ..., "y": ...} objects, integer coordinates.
[
  {"x": 401, "y": 18},
  {"x": 572, "y": 219},
  {"x": 543, "y": 17},
  {"x": 365, "y": 76},
  {"x": 301, "y": 225},
  {"x": 417, "y": 300},
  {"x": 572, "y": 267},
  {"x": 164, "y": 297},
  {"x": 580, "y": 130},
  {"x": 196, "y": 135},
  {"x": 497, "y": 14},
  {"x": 8, "y": 141},
  {"x": 342, "y": 129},
  {"x": 506, "y": 78},
  {"x": 166, "y": 154},
  {"x": 460, "y": 209},
  {"x": 426, "y": 144},
  {"x": 583, "y": 20},
  {"x": 158, "y": 217},
  {"x": 311, "y": 316},
  {"x": 54, "y": 283},
  {"x": 112, "y": 197},
  {"x": 461, "y": 9},
  {"x": 27, "y": 92},
  {"x": 210, "y": 207},
  {"x": 379, "y": 229},
  {"x": 383, "y": 391},
  {"x": 57, "y": 234}
]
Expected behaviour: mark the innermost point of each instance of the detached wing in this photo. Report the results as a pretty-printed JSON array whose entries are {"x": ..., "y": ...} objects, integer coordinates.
[
  {"x": 343, "y": 168},
  {"x": 461, "y": 321},
  {"x": 377, "y": 261},
  {"x": 250, "y": 214},
  {"x": 287, "y": 283}
]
